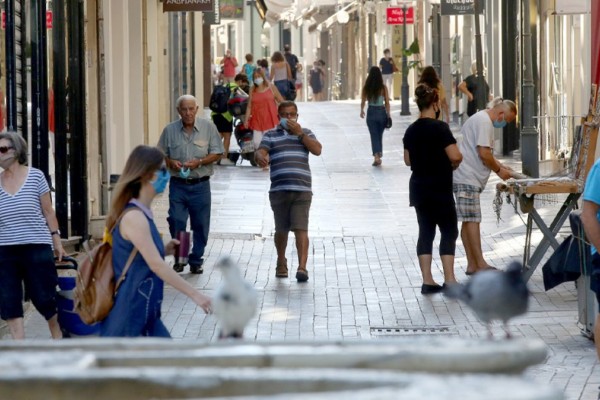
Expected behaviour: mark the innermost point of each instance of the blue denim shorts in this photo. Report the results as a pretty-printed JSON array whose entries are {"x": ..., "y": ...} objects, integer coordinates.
[{"x": 33, "y": 265}]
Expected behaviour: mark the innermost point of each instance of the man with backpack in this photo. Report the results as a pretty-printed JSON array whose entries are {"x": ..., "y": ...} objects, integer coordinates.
[
  {"x": 221, "y": 116},
  {"x": 292, "y": 60}
]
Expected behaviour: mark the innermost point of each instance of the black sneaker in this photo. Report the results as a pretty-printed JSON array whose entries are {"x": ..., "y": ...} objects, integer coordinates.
[
  {"x": 177, "y": 267},
  {"x": 197, "y": 268}
]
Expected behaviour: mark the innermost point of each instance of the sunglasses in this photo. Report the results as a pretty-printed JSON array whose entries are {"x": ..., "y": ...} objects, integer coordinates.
[{"x": 4, "y": 149}]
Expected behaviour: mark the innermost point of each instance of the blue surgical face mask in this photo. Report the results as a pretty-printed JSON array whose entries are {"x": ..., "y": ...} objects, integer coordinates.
[
  {"x": 499, "y": 124},
  {"x": 283, "y": 122},
  {"x": 184, "y": 172},
  {"x": 160, "y": 183}
]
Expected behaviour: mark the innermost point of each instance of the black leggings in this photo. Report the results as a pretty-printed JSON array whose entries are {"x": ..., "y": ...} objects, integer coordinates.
[{"x": 432, "y": 215}]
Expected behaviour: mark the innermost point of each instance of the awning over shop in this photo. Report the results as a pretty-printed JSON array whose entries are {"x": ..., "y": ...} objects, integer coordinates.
[
  {"x": 273, "y": 10},
  {"x": 341, "y": 16}
]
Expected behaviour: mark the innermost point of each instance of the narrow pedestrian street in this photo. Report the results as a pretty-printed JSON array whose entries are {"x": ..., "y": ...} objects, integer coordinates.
[{"x": 364, "y": 276}]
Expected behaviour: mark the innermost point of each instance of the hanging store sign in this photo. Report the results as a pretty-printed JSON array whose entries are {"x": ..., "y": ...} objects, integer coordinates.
[
  {"x": 213, "y": 17},
  {"x": 395, "y": 15},
  {"x": 188, "y": 5},
  {"x": 49, "y": 19},
  {"x": 460, "y": 7},
  {"x": 232, "y": 9}
]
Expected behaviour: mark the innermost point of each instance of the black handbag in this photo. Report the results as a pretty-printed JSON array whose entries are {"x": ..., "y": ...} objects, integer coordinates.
[
  {"x": 291, "y": 93},
  {"x": 388, "y": 123}
]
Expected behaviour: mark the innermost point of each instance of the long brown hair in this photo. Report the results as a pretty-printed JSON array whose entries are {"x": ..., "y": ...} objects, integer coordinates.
[
  {"x": 373, "y": 87},
  {"x": 140, "y": 166}
]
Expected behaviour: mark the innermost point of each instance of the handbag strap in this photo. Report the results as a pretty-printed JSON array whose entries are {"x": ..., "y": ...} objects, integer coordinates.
[{"x": 132, "y": 255}]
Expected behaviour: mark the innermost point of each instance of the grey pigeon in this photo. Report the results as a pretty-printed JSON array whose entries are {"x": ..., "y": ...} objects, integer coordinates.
[
  {"x": 494, "y": 295},
  {"x": 234, "y": 302}
]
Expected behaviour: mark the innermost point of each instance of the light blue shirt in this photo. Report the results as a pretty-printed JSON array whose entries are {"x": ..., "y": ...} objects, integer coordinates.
[{"x": 592, "y": 189}]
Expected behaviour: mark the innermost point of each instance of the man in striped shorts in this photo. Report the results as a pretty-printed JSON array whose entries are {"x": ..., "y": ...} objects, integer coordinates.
[
  {"x": 286, "y": 148},
  {"x": 472, "y": 175}
]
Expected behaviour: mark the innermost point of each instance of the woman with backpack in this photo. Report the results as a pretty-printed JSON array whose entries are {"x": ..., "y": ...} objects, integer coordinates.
[
  {"x": 137, "y": 304},
  {"x": 261, "y": 113}
]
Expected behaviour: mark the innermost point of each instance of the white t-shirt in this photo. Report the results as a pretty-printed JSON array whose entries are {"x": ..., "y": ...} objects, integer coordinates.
[{"x": 477, "y": 131}]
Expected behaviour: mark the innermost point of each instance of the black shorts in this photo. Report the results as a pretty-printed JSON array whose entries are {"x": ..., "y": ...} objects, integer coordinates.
[
  {"x": 32, "y": 264},
  {"x": 223, "y": 126}
]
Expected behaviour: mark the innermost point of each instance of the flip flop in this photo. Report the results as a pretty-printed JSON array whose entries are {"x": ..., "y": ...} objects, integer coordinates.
[{"x": 469, "y": 273}]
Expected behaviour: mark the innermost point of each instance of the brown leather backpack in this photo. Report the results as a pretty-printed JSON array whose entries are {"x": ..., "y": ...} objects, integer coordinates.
[{"x": 95, "y": 287}]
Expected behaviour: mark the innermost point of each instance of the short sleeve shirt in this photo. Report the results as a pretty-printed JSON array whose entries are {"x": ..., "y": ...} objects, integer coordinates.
[
  {"x": 386, "y": 66},
  {"x": 181, "y": 146},
  {"x": 290, "y": 170},
  {"x": 477, "y": 131},
  {"x": 592, "y": 189},
  {"x": 426, "y": 140},
  {"x": 21, "y": 218}
]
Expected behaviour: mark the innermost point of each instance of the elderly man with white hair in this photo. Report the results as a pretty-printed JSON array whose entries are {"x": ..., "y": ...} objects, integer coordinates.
[
  {"x": 191, "y": 145},
  {"x": 470, "y": 178}
]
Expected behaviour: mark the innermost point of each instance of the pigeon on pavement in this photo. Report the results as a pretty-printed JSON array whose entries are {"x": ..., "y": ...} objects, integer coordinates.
[
  {"x": 494, "y": 295},
  {"x": 234, "y": 302}
]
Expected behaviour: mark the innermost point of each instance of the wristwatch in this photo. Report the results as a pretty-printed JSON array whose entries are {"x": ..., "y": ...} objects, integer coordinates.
[{"x": 56, "y": 232}]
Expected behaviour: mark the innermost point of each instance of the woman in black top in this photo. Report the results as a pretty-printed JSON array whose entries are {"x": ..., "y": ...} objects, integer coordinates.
[{"x": 432, "y": 154}]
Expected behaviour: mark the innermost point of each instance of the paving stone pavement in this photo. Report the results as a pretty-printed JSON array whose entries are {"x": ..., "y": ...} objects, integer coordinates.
[{"x": 363, "y": 268}]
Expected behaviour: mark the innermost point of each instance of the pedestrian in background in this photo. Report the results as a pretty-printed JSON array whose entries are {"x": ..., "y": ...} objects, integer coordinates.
[
  {"x": 470, "y": 87},
  {"x": 590, "y": 216},
  {"x": 376, "y": 94},
  {"x": 286, "y": 149},
  {"x": 29, "y": 239},
  {"x": 292, "y": 61},
  {"x": 300, "y": 82},
  {"x": 388, "y": 67},
  {"x": 224, "y": 123},
  {"x": 248, "y": 68},
  {"x": 261, "y": 112},
  {"x": 136, "y": 310},
  {"x": 281, "y": 73},
  {"x": 430, "y": 77},
  {"x": 191, "y": 146},
  {"x": 264, "y": 64},
  {"x": 229, "y": 63},
  {"x": 470, "y": 178},
  {"x": 317, "y": 81},
  {"x": 432, "y": 154}
]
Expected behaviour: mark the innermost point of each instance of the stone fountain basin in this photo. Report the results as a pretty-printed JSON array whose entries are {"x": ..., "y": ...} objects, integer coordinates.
[
  {"x": 433, "y": 355},
  {"x": 414, "y": 368}
]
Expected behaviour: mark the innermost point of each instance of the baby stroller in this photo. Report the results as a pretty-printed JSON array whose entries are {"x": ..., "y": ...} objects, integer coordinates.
[
  {"x": 70, "y": 323},
  {"x": 244, "y": 137}
]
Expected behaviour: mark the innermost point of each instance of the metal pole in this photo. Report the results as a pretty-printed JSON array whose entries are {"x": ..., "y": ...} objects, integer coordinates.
[
  {"x": 529, "y": 133},
  {"x": 404, "y": 88},
  {"x": 77, "y": 126},
  {"x": 60, "y": 119},
  {"x": 510, "y": 138},
  {"x": 11, "y": 68},
  {"x": 39, "y": 81},
  {"x": 481, "y": 100},
  {"x": 436, "y": 39}
]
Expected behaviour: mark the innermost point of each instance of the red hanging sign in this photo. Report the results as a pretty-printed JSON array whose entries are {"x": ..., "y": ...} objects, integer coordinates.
[
  {"x": 395, "y": 15},
  {"x": 49, "y": 19}
]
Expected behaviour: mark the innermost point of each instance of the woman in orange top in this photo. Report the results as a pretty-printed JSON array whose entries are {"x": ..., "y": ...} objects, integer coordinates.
[{"x": 261, "y": 113}]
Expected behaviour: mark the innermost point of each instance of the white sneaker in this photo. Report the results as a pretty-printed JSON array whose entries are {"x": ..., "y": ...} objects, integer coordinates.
[{"x": 227, "y": 161}]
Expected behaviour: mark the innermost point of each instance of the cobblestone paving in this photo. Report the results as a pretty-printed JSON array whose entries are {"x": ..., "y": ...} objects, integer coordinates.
[{"x": 363, "y": 268}]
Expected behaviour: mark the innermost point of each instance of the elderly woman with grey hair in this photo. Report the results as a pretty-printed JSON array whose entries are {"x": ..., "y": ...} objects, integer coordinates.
[{"x": 29, "y": 239}]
